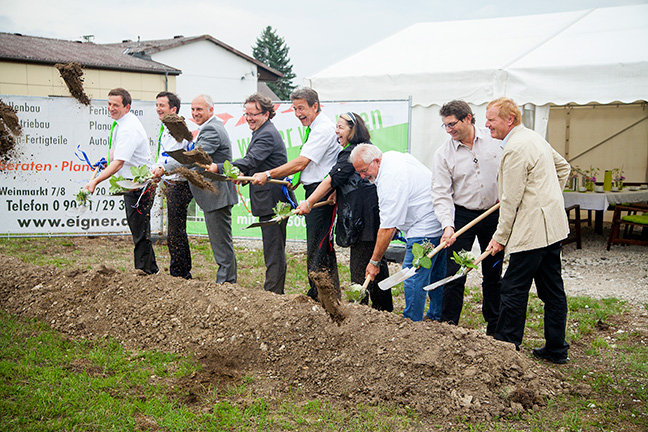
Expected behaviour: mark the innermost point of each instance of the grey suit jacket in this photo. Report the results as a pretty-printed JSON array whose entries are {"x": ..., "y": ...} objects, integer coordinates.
[
  {"x": 266, "y": 151},
  {"x": 215, "y": 142},
  {"x": 530, "y": 184}
]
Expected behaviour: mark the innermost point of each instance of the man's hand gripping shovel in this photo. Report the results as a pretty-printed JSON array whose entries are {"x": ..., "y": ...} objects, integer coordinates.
[
  {"x": 278, "y": 219},
  {"x": 406, "y": 273}
]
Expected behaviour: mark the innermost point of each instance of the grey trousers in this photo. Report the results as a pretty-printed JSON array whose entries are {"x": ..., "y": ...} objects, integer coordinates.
[{"x": 219, "y": 228}]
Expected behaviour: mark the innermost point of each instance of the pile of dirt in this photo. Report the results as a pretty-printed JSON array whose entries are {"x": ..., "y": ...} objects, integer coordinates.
[
  {"x": 177, "y": 127},
  {"x": 9, "y": 128},
  {"x": 288, "y": 342},
  {"x": 72, "y": 74},
  {"x": 200, "y": 156}
]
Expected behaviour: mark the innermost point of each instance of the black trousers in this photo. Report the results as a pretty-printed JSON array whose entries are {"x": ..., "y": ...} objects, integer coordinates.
[
  {"x": 139, "y": 222},
  {"x": 453, "y": 292},
  {"x": 274, "y": 254},
  {"x": 320, "y": 254},
  {"x": 544, "y": 267},
  {"x": 178, "y": 198},
  {"x": 359, "y": 258}
]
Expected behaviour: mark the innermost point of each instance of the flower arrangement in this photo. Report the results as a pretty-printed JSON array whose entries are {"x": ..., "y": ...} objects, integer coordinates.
[
  {"x": 617, "y": 177},
  {"x": 589, "y": 177}
]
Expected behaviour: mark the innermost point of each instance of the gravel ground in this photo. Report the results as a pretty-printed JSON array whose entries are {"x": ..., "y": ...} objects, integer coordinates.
[{"x": 591, "y": 271}]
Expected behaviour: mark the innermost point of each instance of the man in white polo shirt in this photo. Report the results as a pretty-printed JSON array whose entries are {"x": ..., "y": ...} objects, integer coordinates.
[
  {"x": 405, "y": 203},
  {"x": 128, "y": 147},
  {"x": 318, "y": 155}
]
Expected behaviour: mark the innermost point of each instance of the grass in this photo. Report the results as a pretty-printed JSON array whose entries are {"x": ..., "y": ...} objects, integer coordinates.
[{"x": 48, "y": 382}]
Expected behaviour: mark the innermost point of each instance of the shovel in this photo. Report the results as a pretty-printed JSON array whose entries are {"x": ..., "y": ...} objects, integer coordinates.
[
  {"x": 202, "y": 160},
  {"x": 278, "y": 219},
  {"x": 406, "y": 273},
  {"x": 461, "y": 273},
  {"x": 220, "y": 177},
  {"x": 130, "y": 184}
]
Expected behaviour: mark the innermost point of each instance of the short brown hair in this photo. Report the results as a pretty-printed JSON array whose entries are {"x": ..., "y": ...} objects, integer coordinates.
[
  {"x": 264, "y": 103},
  {"x": 309, "y": 95},
  {"x": 507, "y": 108},
  {"x": 126, "y": 97},
  {"x": 459, "y": 109}
]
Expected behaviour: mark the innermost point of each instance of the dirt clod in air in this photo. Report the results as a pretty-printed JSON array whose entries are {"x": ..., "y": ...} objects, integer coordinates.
[
  {"x": 177, "y": 127},
  {"x": 200, "y": 156},
  {"x": 329, "y": 295},
  {"x": 9, "y": 128},
  {"x": 194, "y": 178},
  {"x": 72, "y": 74}
]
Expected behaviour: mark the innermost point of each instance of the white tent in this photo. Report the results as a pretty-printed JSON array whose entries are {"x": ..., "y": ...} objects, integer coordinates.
[{"x": 598, "y": 55}]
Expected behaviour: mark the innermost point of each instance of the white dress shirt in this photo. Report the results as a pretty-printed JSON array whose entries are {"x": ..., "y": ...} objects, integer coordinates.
[
  {"x": 464, "y": 176},
  {"x": 322, "y": 148},
  {"x": 404, "y": 200},
  {"x": 130, "y": 144},
  {"x": 168, "y": 143}
]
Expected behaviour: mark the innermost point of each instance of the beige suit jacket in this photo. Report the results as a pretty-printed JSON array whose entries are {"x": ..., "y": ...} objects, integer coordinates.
[{"x": 530, "y": 182}]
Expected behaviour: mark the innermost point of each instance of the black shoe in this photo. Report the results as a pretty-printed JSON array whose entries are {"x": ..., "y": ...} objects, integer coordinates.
[{"x": 541, "y": 353}]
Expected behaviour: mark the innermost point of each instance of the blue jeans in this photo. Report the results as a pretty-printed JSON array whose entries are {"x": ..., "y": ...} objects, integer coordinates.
[{"x": 414, "y": 293}]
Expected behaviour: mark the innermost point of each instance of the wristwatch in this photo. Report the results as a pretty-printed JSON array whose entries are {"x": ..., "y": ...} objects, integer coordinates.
[
  {"x": 268, "y": 176},
  {"x": 374, "y": 263}
]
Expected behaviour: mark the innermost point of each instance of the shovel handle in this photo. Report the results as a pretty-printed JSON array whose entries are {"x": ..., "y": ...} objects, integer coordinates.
[
  {"x": 366, "y": 283},
  {"x": 479, "y": 259},
  {"x": 464, "y": 229},
  {"x": 281, "y": 182}
]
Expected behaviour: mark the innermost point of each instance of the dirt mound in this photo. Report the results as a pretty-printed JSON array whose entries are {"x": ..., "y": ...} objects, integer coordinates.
[
  {"x": 177, "y": 127},
  {"x": 9, "y": 127},
  {"x": 72, "y": 74},
  {"x": 288, "y": 342},
  {"x": 194, "y": 178}
]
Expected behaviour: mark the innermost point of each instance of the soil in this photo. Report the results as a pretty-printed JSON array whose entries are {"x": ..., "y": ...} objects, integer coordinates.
[
  {"x": 194, "y": 178},
  {"x": 9, "y": 127},
  {"x": 200, "y": 156},
  {"x": 72, "y": 75},
  {"x": 291, "y": 346},
  {"x": 177, "y": 127}
]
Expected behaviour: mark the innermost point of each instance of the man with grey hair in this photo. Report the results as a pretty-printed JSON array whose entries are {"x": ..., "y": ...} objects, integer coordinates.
[
  {"x": 405, "y": 203},
  {"x": 317, "y": 156},
  {"x": 217, "y": 207}
]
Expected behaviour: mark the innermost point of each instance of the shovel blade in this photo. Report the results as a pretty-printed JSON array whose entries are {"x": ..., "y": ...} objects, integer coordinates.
[
  {"x": 265, "y": 223},
  {"x": 397, "y": 278},
  {"x": 443, "y": 281},
  {"x": 130, "y": 185}
]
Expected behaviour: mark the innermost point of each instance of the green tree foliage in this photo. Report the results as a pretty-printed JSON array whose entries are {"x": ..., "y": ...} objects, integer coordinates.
[{"x": 272, "y": 50}]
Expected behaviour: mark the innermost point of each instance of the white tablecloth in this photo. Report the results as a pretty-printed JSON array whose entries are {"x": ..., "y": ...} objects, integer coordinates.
[{"x": 602, "y": 200}]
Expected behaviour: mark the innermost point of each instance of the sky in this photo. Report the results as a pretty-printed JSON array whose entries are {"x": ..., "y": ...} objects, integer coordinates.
[{"x": 319, "y": 33}]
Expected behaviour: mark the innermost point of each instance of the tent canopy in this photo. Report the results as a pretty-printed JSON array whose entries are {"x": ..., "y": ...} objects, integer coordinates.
[{"x": 598, "y": 55}]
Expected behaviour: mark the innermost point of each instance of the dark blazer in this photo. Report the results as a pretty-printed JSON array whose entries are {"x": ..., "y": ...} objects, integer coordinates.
[
  {"x": 266, "y": 151},
  {"x": 215, "y": 142}
]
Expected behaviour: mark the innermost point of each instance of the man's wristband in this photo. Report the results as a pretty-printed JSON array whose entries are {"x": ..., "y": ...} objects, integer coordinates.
[
  {"x": 308, "y": 205},
  {"x": 374, "y": 263}
]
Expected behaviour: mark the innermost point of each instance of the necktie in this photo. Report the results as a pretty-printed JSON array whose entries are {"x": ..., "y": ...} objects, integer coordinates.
[
  {"x": 297, "y": 175},
  {"x": 112, "y": 129},
  {"x": 157, "y": 154}
]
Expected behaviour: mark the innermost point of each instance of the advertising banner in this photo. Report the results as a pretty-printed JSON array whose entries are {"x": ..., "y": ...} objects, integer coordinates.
[{"x": 39, "y": 179}]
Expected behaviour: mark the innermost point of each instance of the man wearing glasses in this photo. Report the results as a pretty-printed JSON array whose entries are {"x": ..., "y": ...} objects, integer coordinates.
[
  {"x": 317, "y": 157},
  {"x": 464, "y": 186},
  {"x": 217, "y": 207},
  {"x": 265, "y": 152},
  {"x": 403, "y": 185}
]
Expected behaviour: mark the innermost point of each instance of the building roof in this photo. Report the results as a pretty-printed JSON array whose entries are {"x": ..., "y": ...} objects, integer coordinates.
[
  {"x": 147, "y": 48},
  {"x": 32, "y": 49}
]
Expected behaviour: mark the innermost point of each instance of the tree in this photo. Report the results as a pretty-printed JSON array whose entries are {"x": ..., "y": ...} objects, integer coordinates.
[{"x": 273, "y": 51}]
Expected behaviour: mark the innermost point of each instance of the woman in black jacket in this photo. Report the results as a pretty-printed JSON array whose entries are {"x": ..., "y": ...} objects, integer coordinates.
[{"x": 358, "y": 219}]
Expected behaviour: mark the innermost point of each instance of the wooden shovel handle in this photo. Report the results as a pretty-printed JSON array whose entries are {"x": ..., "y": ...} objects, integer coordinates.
[
  {"x": 479, "y": 259},
  {"x": 281, "y": 182},
  {"x": 464, "y": 229}
]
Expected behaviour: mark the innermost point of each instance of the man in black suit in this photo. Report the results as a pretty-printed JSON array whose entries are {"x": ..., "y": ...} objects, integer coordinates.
[
  {"x": 266, "y": 151},
  {"x": 217, "y": 207}
]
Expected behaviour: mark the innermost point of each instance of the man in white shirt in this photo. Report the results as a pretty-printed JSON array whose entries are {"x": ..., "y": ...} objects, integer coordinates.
[
  {"x": 318, "y": 155},
  {"x": 128, "y": 147},
  {"x": 178, "y": 194},
  {"x": 464, "y": 186},
  {"x": 403, "y": 184}
]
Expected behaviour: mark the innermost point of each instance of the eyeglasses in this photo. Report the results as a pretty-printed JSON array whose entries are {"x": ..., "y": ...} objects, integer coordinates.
[
  {"x": 252, "y": 114},
  {"x": 450, "y": 125},
  {"x": 364, "y": 171}
]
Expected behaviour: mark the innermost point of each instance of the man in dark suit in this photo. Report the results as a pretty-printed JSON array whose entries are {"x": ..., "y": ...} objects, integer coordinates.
[
  {"x": 266, "y": 151},
  {"x": 217, "y": 207}
]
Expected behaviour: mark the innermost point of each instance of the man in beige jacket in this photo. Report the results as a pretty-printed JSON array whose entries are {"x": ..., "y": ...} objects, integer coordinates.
[{"x": 531, "y": 225}]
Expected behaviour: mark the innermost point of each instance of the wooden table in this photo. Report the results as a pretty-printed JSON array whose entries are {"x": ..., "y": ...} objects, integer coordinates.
[{"x": 600, "y": 201}]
